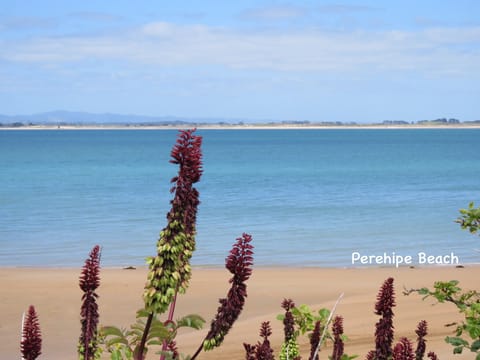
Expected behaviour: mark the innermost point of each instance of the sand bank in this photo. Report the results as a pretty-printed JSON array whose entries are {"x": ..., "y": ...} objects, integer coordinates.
[
  {"x": 56, "y": 296},
  {"x": 252, "y": 126}
]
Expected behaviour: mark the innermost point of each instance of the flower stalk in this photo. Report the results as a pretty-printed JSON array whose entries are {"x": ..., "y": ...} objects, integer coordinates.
[
  {"x": 89, "y": 282},
  {"x": 289, "y": 348},
  {"x": 384, "y": 326},
  {"x": 239, "y": 262},
  {"x": 262, "y": 350},
  {"x": 170, "y": 271},
  {"x": 403, "y": 350},
  {"x": 338, "y": 346},
  {"x": 421, "y": 342},
  {"x": 31, "y": 343}
]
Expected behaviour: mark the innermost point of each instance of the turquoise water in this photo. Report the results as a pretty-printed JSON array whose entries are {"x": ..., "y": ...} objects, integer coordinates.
[{"x": 308, "y": 197}]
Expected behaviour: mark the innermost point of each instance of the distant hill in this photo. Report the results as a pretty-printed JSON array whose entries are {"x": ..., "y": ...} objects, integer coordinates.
[
  {"x": 84, "y": 118},
  {"x": 61, "y": 117}
]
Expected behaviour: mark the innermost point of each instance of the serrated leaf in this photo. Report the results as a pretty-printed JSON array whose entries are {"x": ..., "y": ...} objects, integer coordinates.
[
  {"x": 143, "y": 313},
  {"x": 192, "y": 320},
  {"x": 159, "y": 334},
  {"x": 111, "y": 331},
  {"x": 117, "y": 340}
]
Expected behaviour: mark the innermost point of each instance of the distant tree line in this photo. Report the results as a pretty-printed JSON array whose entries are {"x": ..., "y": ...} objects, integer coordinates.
[{"x": 439, "y": 121}]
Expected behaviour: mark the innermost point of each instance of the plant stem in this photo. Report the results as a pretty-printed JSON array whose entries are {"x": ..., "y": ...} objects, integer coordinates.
[
  {"x": 325, "y": 329},
  {"x": 141, "y": 347},
  {"x": 22, "y": 337},
  {"x": 169, "y": 319},
  {"x": 197, "y": 352}
]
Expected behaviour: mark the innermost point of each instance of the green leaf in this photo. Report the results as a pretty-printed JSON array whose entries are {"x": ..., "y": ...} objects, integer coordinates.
[
  {"x": 424, "y": 291},
  {"x": 117, "y": 340},
  {"x": 193, "y": 321},
  {"x": 116, "y": 355},
  {"x": 155, "y": 342},
  {"x": 474, "y": 331},
  {"x": 158, "y": 333},
  {"x": 475, "y": 346},
  {"x": 143, "y": 313},
  {"x": 456, "y": 341},
  {"x": 458, "y": 350},
  {"x": 111, "y": 331},
  {"x": 324, "y": 313}
]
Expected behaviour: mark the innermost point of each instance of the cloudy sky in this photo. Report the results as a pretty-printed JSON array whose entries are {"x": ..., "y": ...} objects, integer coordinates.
[{"x": 363, "y": 61}]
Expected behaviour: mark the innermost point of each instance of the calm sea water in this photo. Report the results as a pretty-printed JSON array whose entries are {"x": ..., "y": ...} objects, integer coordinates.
[{"x": 308, "y": 197}]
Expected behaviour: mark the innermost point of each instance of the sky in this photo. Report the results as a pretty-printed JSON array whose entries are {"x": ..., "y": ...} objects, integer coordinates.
[{"x": 349, "y": 61}]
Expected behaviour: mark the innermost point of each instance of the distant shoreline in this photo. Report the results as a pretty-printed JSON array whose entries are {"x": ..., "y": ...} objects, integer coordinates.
[{"x": 239, "y": 127}]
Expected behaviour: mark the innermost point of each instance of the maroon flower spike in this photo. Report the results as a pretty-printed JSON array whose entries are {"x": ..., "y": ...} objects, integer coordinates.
[
  {"x": 172, "y": 348},
  {"x": 314, "y": 340},
  {"x": 263, "y": 350},
  {"x": 239, "y": 263},
  {"x": 421, "y": 342},
  {"x": 432, "y": 356},
  {"x": 187, "y": 154},
  {"x": 31, "y": 344},
  {"x": 250, "y": 351},
  {"x": 265, "y": 330},
  {"x": 403, "y": 350},
  {"x": 89, "y": 282},
  {"x": 337, "y": 330},
  {"x": 384, "y": 327},
  {"x": 288, "y": 321}
]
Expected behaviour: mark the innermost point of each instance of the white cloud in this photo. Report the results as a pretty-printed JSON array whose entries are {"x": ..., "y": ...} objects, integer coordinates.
[
  {"x": 275, "y": 13},
  {"x": 435, "y": 50},
  {"x": 345, "y": 8},
  {"x": 19, "y": 23}
]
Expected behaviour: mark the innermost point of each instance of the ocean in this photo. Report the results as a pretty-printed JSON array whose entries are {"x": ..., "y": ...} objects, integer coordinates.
[{"x": 308, "y": 197}]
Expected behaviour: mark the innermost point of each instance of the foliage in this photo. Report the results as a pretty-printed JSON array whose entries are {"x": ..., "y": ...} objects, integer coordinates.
[
  {"x": 31, "y": 344},
  {"x": 470, "y": 218},
  {"x": 299, "y": 321},
  {"x": 125, "y": 344},
  {"x": 467, "y": 334},
  {"x": 89, "y": 282},
  {"x": 305, "y": 318}
]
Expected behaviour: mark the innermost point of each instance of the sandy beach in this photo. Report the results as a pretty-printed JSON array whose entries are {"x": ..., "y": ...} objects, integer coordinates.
[{"x": 56, "y": 296}]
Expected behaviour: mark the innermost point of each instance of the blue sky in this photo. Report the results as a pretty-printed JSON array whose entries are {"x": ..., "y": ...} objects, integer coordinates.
[{"x": 362, "y": 61}]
